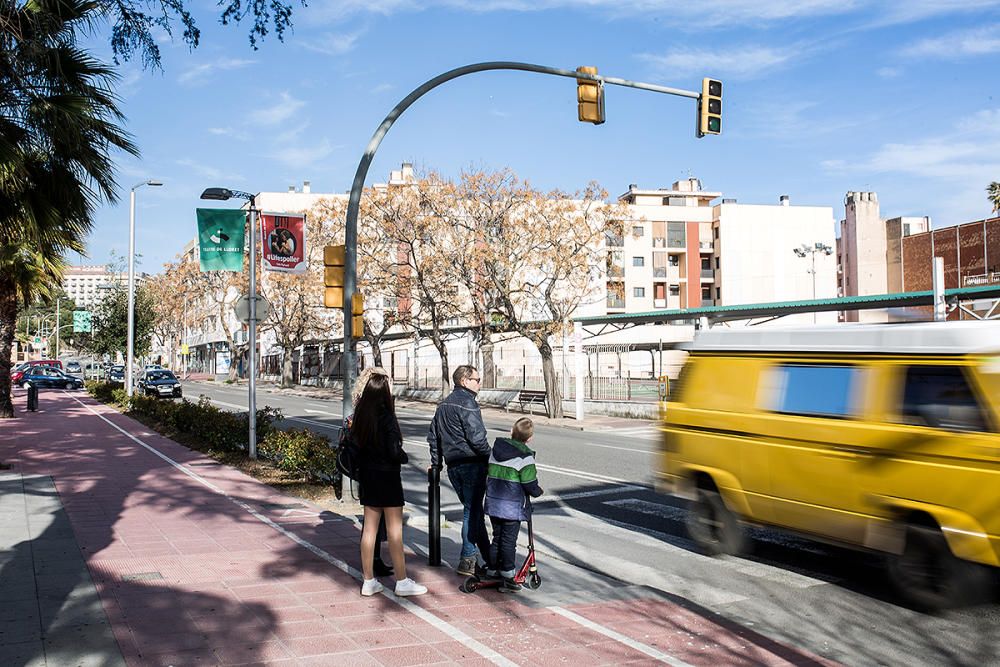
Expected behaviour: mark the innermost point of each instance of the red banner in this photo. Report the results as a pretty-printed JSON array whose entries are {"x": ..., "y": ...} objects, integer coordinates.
[{"x": 284, "y": 238}]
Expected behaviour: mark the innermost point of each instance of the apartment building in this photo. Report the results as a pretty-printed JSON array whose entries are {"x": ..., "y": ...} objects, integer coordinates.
[
  {"x": 676, "y": 249},
  {"x": 87, "y": 284}
]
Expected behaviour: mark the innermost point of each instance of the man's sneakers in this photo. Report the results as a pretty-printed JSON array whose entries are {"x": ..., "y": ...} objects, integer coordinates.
[
  {"x": 466, "y": 566},
  {"x": 407, "y": 587},
  {"x": 372, "y": 586},
  {"x": 510, "y": 586}
]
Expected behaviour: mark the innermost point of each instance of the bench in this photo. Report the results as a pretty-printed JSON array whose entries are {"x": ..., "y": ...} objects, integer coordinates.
[{"x": 529, "y": 397}]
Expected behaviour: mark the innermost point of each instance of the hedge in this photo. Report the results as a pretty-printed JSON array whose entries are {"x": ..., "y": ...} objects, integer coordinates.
[{"x": 296, "y": 450}]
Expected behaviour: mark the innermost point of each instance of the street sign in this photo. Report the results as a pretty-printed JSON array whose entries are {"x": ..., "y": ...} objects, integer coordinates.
[
  {"x": 82, "y": 321},
  {"x": 184, "y": 348},
  {"x": 242, "y": 309}
]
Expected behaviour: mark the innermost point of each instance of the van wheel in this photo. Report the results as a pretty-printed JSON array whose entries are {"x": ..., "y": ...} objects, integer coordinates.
[
  {"x": 930, "y": 577},
  {"x": 712, "y": 525}
]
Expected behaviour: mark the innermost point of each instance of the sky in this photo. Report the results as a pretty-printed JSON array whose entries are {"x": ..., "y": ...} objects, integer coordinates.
[{"x": 821, "y": 97}]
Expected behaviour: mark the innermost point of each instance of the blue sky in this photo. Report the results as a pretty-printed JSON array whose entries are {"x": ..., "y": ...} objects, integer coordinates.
[{"x": 821, "y": 97}]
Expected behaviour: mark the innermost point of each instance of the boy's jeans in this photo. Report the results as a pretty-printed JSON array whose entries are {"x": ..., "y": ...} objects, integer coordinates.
[
  {"x": 469, "y": 482},
  {"x": 504, "y": 547}
]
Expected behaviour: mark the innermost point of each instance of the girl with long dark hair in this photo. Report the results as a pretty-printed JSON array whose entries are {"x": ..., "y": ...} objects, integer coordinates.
[{"x": 375, "y": 429}]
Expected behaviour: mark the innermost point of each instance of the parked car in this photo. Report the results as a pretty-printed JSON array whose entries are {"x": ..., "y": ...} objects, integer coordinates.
[
  {"x": 160, "y": 383},
  {"x": 18, "y": 372},
  {"x": 74, "y": 367},
  {"x": 47, "y": 376},
  {"x": 153, "y": 367},
  {"x": 878, "y": 437},
  {"x": 116, "y": 374}
]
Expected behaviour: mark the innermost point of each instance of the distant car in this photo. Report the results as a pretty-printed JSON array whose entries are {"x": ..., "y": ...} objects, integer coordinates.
[
  {"x": 116, "y": 374},
  {"x": 153, "y": 367},
  {"x": 18, "y": 373},
  {"x": 160, "y": 383},
  {"x": 46, "y": 376},
  {"x": 74, "y": 367}
]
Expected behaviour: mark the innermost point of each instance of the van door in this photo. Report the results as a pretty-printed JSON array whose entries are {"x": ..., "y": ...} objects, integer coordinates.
[
  {"x": 812, "y": 433},
  {"x": 945, "y": 451}
]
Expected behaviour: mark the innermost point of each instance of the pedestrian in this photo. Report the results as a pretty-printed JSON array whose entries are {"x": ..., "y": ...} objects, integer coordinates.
[
  {"x": 511, "y": 483},
  {"x": 381, "y": 569},
  {"x": 457, "y": 438},
  {"x": 375, "y": 430}
]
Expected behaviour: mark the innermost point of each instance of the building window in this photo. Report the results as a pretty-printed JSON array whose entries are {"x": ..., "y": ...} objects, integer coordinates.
[
  {"x": 718, "y": 262},
  {"x": 674, "y": 260},
  {"x": 675, "y": 290},
  {"x": 638, "y": 230},
  {"x": 616, "y": 295},
  {"x": 638, "y": 261},
  {"x": 706, "y": 263},
  {"x": 676, "y": 236},
  {"x": 639, "y": 292},
  {"x": 613, "y": 235},
  {"x": 715, "y": 230},
  {"x": 706, "y": 293},
  {"x": 718, "y": 293},
  {"x": 675, "y": 201}
]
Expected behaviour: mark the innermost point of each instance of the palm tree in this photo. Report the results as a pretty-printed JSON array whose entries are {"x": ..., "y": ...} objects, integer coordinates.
[
  {"x": 58, "y": 126},
  {"x": 993, "y": 194}
]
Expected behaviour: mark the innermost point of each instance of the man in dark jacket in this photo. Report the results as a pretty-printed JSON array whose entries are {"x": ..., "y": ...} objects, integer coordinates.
[{"x": 458, "y": 438}]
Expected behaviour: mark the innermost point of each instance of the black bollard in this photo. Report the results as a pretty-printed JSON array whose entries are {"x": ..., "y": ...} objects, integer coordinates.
[
  {"x": 434, "y": 515},
  {"x": 32, "y": 397}
]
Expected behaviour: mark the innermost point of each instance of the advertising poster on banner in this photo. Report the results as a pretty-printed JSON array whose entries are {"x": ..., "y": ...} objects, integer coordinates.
[
  {"x": 222, "y": 363},
  {"x": 221, "y": 233},
  {"x": 284, "y": 238}
]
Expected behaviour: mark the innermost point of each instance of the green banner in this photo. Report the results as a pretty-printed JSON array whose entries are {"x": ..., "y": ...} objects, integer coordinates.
[{"x": 221, "y": 233}]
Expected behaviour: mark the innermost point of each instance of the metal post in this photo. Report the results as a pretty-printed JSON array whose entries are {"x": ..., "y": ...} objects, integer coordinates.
[
  {"x": 565, "y": 360},
  {"x": 940, "y": 310},
  {"x": 253, "y": 330},
  {"x": 578, "y": 342},
  {"x": 57, "y": 328},
  {"x": 434, "y": 515},
  {"x": 130, "y": 350}
]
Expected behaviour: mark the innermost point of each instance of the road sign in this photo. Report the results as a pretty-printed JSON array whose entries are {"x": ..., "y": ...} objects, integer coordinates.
[
  {"x": 38, "y": 340},
  {"x": 82, "y": 321},
  {"x": 242, "y": 309},
  {"x": 184, "y": 348}
]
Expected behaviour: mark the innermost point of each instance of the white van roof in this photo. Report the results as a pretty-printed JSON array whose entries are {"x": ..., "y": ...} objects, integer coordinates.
[{"x": 963, "y": 337}]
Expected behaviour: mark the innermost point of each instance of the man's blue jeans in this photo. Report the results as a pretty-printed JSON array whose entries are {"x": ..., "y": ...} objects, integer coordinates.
[{"x": 469, "y": 482}]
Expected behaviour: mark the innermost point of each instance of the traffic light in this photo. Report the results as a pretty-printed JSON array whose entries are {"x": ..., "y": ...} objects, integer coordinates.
[
  {"x": 589, "y": 98},
  {"x": 358, "y": 319},
  {"x": 710, "y": 108},
  {"x": 333, "y": 275}
]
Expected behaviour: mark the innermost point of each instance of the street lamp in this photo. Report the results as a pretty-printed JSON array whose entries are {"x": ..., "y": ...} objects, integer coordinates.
[
  {"x": 223, "y": 194},
  {"x": 130, "y": 351},
  {"x": 811, "y": 250}
]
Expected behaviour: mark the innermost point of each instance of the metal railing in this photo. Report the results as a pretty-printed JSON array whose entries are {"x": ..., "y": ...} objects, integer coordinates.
[{"x": 981, "y": 279}]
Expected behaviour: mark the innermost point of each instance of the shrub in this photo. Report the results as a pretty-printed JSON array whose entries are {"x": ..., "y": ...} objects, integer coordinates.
[
  {"x": 100, "y": 390},
  {"x": 301, "y": 451}
]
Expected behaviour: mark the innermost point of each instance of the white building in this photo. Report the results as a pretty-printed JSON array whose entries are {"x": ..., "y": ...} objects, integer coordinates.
[{"x": 87, "y": 284}]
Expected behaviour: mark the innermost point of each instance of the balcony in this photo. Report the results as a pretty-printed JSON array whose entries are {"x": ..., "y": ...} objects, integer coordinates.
[
  {"x": 659, "y": 242},
  {"x": 982, "y": 279},
  {"x": 614, "y": 241},
  {"x": 659, "y": 272},
  {"x": 615, "y": 303},
  {"x": 659, "y": 303},
  {"x": 708, "y": 273},
  {"x": 706, "y": 245}
]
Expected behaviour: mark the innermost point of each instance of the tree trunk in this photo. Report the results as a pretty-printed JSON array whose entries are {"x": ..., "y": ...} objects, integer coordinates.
[
  {"x": 553, "y": 393},
  {"x": 8, "y": 322},
  {"x": 234, "y": 366},
  {"x": 489, "y": 369},
  {"x": 286, "y": 367},
  {"x": 376, "y": 350},
  {"x": 442, "y": 349}
]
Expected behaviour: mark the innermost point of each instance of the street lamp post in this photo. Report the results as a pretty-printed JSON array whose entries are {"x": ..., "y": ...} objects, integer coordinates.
[
  {"x": 223, "y": 194},
  {"x": 811, "y": 250},
  {"x": 130, "y": 351}
]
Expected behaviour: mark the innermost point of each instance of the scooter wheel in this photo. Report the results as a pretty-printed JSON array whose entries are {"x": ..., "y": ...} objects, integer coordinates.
[
  {"x": 534, "y": 581},
  {"x": 470, "y": 585}
]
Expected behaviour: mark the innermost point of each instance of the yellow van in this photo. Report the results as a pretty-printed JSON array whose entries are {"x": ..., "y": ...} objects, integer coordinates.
[{"x": 880, "y": 437}]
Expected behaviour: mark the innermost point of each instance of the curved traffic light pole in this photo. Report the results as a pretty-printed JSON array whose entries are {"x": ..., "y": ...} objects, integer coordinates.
[{"x": 348, "y": 364}]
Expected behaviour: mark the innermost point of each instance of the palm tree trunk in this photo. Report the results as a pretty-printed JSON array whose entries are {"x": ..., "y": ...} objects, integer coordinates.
[{"x": 8, "y": 321}]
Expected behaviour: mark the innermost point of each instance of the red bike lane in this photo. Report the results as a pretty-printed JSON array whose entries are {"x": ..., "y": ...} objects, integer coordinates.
[{"x": 196, "y": 563}]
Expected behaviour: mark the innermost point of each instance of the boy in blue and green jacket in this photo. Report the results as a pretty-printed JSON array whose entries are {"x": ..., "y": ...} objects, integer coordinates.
[{"x": 511, "y": 479}]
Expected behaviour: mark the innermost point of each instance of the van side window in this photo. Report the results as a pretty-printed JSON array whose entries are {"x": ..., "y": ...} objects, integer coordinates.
[
  {"x": 940, "y": 396},
  {"x": 825, "y": 390}
]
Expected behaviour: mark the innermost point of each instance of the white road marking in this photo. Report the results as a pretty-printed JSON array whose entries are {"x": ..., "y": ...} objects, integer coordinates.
[
  {"x": 593, "y": 477},
  {"x": 619, "y": 637},
  {"x": 414, "y": 609}
]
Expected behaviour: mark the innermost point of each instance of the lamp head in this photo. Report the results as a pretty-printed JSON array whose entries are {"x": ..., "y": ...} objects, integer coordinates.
[
  {"x": 219, "y": 194},
  {"x": 154, "y": 183}
]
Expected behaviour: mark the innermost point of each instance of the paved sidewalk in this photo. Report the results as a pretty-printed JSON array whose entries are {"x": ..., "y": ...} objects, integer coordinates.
[{"x": 195, "y": 563}]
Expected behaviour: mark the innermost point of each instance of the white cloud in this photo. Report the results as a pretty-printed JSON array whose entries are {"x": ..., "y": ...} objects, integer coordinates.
[
  {"x": 382, "y": 88},
  {"x": 199, "y": 73},
  {"x": 959, "y": 44},
  {"x": 305, "y": 155},
  {"x": 333, "y": 44},
  {"x": 228, "y": 132},
  {"x": 279, "y": 112},
  {"x": 746, "y": 62}
]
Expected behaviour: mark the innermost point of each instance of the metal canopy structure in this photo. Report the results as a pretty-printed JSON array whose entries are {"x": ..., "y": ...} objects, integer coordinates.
[{"x": 713, "y": 314}]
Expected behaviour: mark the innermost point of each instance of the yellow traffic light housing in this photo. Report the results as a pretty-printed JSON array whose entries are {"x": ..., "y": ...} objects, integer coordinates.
[
  {"x": 710, "y": 107},
  {"x": 333, "y": 276},
  {"x": 589, "y": 98}
]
